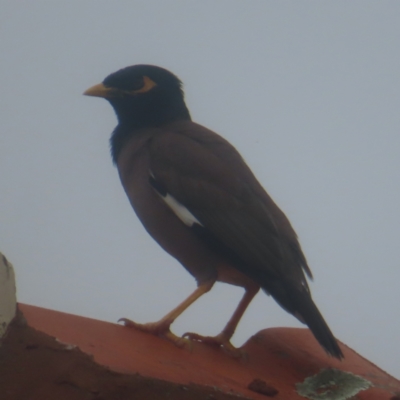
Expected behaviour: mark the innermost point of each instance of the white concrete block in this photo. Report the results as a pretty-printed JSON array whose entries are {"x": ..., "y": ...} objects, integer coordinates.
[{"x": 8, "y": 297}]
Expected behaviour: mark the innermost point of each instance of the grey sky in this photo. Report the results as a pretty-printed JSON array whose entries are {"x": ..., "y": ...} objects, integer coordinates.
[{"x": 309, "y": 93}]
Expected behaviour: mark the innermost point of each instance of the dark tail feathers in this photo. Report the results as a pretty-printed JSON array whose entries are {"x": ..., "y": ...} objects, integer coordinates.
[
  {"x": 306, "y": 309},
  {"x": 301, "y": 305}
]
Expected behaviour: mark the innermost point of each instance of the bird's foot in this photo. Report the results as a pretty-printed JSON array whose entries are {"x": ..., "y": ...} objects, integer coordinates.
[
  {"x": 160, "y": 328},
  {"x": 221, "y": 340}
]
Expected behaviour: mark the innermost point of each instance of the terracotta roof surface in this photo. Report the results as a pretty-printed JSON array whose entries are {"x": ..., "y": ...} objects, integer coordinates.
[{"x": 276, "y": 364}]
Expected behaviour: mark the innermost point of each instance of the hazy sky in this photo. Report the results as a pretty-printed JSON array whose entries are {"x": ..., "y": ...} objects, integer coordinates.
[{"x": 309, "y": 93}]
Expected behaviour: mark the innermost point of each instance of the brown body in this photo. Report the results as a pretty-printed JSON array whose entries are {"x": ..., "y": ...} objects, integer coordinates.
[{"x": 180, "y": 140}]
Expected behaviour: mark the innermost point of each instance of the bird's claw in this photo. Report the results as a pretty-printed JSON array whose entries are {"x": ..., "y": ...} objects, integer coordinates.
[
  {"x": 155, "y": 328},
  {"x": 220, "y": 340},
  {"x": 160, "y": 328}
]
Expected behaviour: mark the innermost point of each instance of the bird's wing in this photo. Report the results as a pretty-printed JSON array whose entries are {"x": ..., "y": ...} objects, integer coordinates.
[{"x": 207, "y": 176}]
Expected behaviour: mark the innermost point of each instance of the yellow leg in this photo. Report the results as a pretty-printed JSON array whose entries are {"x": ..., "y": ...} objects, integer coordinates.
[
  {"x": 162, "y": 327},
  {"x": 223, "y": 338}
]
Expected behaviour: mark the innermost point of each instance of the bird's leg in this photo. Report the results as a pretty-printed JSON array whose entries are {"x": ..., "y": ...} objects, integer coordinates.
[
  {"x": 162, "y": 327},
  {"x": 223, "y": 338}
]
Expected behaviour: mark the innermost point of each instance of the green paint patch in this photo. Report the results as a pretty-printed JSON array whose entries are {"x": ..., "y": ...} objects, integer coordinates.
[{"x": 332, "y": 384}]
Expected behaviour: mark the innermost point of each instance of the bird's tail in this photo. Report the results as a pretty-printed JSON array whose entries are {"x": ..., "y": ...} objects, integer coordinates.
[
  {"x": 300, "y": 304},
  {"x": 307, "y": 312}
]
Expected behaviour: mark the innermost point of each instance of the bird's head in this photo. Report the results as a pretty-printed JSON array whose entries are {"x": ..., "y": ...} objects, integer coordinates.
[{"x": 143, "y": 96}]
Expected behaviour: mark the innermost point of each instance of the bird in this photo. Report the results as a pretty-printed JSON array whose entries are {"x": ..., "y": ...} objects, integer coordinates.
[{"x": 195, "y": 195}]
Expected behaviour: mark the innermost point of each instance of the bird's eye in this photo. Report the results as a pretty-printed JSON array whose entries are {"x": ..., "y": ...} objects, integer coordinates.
[
  {"x": 135, "y": 84},
  {"x": 146, "y": 85}
]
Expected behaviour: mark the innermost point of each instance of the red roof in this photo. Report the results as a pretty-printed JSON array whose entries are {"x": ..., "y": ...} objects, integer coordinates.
[{"x": 276, "y": 359}]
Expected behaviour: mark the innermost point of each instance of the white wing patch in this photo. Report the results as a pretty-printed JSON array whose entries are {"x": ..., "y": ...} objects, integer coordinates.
[{"x": 180, "y": 211}]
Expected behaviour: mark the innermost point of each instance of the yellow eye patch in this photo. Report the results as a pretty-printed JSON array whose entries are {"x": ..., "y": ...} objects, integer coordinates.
[{"x": 148, "y": 84}]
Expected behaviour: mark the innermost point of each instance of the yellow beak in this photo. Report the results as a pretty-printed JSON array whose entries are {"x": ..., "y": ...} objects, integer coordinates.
[{"x": 99, "y": 90}]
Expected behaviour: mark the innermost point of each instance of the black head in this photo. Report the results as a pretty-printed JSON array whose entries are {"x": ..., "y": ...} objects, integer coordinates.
[{"x": 142, "y": 96}]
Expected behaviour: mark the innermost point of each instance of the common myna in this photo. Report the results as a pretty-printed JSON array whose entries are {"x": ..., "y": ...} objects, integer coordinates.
[{"x": 199, "y": 200}]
